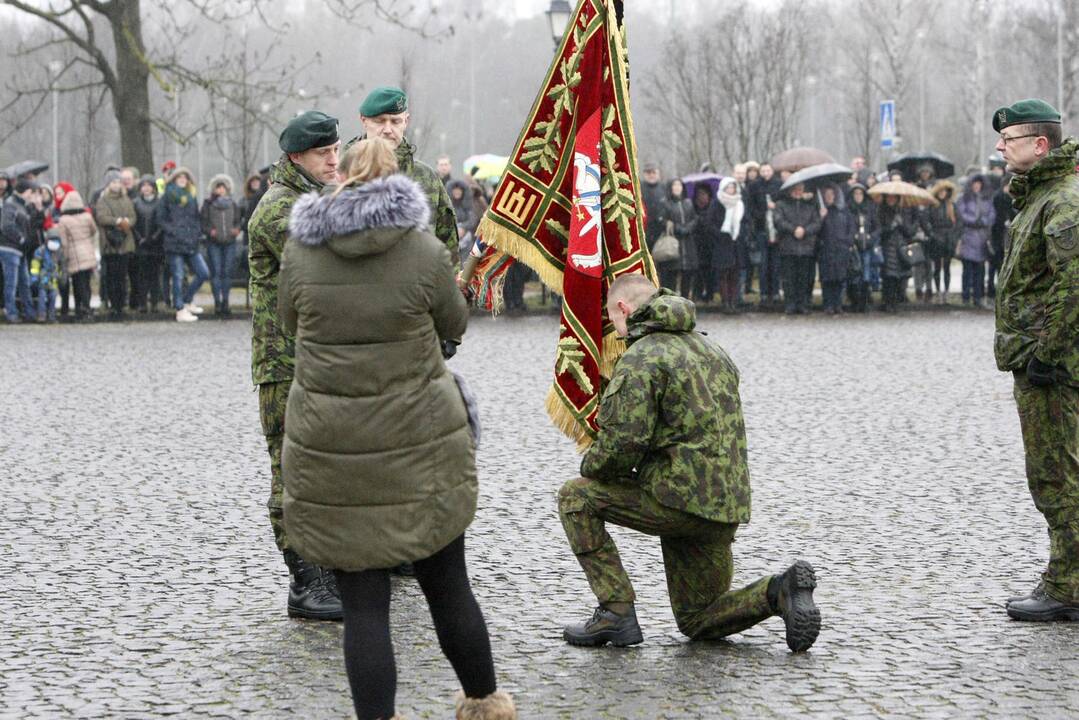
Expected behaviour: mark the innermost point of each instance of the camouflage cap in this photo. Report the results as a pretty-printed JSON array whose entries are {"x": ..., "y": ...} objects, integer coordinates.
[
  {"x": 1023, "y": 112},
  {"x": 384, "y": 101},
  {"x": 311, "y": 129}
]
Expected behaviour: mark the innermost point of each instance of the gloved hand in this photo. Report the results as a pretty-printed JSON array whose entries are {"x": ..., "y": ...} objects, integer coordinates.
[{"x": 1039, "y": 374}]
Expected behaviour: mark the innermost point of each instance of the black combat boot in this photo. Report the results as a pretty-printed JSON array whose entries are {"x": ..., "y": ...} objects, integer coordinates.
[
  {"x": 606, "y": 626},
  {"x": 312, "y": 592},
  {"x": 791, "y": 596},
  {"x": 1042, "y": 609}
]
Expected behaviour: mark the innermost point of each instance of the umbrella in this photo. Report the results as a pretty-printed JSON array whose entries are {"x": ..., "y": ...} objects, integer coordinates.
[
  {"x": 27, "y": 167},
  {"x": 800, "y": 158},
  {"x": 911, "y": 195},
  {"x": 908, "y": 165},
  {"x": 690, "y": 182},
  {"x": 488, "y": 166},
  {"x": 818, "y": 175}
]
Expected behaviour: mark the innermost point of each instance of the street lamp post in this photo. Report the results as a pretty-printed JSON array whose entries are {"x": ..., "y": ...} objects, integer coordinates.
[
  {"x": 54, "y": 73},
  {"x": 559, "y": 15}
]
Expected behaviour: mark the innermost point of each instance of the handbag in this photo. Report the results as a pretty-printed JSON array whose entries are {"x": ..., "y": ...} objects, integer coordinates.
[
  {"x": 666, "y": 249},
  {"x": 115, "y": 237},
  {"x": 854, "y": 265},
  {"x": 911, "y": 254}
]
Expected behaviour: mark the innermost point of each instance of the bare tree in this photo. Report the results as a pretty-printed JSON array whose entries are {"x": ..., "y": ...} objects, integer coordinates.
[
  {"x": 725, "y": 87},
  {"x": 126, "y": 68}
]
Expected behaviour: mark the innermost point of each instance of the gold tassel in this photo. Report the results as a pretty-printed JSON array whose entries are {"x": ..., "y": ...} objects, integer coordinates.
[
  {"x": 508, "y": 241},
  {"x": 564, "y": 420}
]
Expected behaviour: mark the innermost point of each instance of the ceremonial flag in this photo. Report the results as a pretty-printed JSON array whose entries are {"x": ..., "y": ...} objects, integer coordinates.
[{"x": 569, "y": 206}]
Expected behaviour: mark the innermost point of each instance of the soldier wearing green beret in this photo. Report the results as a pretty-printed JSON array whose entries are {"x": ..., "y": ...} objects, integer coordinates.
[
  {"x": 385, "y": 114},
  {"x": 310, "y": 145},
  {"x": 1037, "y": 337}
]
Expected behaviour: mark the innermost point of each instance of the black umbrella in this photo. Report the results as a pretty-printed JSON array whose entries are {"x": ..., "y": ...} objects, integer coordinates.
[
  {"x": 27, "y": 167},
  {"x": 908, "y": 165},
  {"x": 818, "y": 175}
]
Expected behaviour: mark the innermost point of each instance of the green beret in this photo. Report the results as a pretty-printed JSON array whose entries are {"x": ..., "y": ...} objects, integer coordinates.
[
  {"x": 311, "y": 129},
  {"x": 1023, "y": 112},
  {"x": 384, "y": 101}
]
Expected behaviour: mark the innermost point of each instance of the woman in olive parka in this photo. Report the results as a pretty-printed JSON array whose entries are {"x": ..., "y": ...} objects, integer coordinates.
[{"x": 378, "y": 459}]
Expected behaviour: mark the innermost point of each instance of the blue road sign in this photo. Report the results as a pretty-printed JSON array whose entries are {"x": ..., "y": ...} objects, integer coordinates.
[{"x": 887, "y": 124}]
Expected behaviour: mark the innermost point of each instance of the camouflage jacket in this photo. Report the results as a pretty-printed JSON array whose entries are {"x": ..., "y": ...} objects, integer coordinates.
[
  {"x": 272, "y": 348},
  {"x": 1038, "y": 290},
  {"x": 443, "y": 218},
  {"x": 672, "y": 413}
]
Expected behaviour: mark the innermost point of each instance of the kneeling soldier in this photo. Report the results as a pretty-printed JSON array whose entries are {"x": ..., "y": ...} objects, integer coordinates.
[{"x": 670, "y": 460}]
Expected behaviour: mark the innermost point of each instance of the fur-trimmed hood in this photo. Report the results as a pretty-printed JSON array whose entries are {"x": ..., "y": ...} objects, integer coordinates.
[
  {"x": 365, "y": 220},
  {"x": 221, "y": 179}
]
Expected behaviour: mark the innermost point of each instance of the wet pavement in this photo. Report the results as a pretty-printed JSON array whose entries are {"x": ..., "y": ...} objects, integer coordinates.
[{"x": 142, "y": 579}]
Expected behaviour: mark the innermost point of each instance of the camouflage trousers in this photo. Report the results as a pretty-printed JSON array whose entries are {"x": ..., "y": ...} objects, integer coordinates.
[
  {"x": 696, "y": 556},
  {"x": 1049, "y": 417},
  {"x": 272, "y": 400}
]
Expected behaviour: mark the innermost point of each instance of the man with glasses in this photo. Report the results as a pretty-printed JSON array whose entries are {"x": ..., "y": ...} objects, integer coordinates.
[{"x": 1037, "y": 337}]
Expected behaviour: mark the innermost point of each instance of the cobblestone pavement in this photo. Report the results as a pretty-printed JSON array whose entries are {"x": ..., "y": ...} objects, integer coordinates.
[{"x": 142, "y": 581}]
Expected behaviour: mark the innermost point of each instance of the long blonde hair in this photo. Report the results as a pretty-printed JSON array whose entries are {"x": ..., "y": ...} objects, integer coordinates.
[{"x": 366, "y": 160}]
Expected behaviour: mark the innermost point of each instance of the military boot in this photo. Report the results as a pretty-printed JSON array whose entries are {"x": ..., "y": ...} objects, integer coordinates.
[
  {"x": 1043, "y": 609},
  {"x": 312, "y": 592},
  {"x": 606, "y": 626},
  {"x": 791, "y": 596}
]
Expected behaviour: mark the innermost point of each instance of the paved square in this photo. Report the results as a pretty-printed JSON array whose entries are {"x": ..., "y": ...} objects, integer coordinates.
[{"x": 141, "y": 577}]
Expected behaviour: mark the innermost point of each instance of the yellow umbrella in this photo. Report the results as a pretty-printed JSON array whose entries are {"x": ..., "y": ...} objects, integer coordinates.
[
  {"x": 909, "y": 195},
  {"x": 487, "y": 166}
]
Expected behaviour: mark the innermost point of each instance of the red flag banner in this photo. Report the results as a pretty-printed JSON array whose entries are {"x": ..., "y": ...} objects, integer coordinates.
[{"x": 569, "y": 206}]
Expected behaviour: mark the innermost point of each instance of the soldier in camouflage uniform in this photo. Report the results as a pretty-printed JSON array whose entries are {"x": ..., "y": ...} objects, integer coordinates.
[
  {"x": 1037, "y": 338},
  {"x": 310, "y": 145},
  {"x": 384, "y": 113},
  {"x": 670, "y": 460}
]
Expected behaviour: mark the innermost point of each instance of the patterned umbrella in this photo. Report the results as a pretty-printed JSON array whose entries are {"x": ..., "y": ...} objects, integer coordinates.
[
  {"x": 800, "y": 158},
  {"x": 910, "y": 195}
]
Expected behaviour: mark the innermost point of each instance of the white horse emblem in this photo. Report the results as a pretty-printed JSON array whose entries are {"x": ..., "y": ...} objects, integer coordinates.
[{"x": 588, "y": 204}]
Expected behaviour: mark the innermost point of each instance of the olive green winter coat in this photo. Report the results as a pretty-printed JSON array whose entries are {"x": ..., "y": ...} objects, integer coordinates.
[
  {"x": 671, "y": 420},
  {"x": 378, "y": 463}
]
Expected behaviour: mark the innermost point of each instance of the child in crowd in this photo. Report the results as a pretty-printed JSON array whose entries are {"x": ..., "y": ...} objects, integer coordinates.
[{"x": 45, "y": 278}]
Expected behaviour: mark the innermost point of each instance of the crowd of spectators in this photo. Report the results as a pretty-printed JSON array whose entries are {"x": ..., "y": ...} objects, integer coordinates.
[
  {"x": 743, "y": 235},
  {"x": 149, "y": 240}
]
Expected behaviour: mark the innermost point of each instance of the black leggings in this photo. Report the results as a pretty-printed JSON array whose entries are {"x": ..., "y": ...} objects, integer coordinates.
[
  {"x": 462, "y": 632},
  {"x": 942, "y": 266}
]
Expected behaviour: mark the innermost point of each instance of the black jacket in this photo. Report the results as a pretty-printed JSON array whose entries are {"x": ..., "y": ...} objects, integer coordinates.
[
  {"x": 757, "y": 194},
  {"x": 653, "y": 196},
  {"x": 147, "y": 233},
  {"x": 791, "y": 214},
  {"x": 896, "y": 228},
  {"x": 1002, "y": 203},
  {"x": 836, "y": 244},
  {"x": 866, "y": 224},
  {"x": 15, "y": 230}
]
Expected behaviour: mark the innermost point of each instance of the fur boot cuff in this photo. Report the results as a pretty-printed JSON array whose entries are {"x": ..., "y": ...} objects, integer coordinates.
[{"x": 496, "y": 706}]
